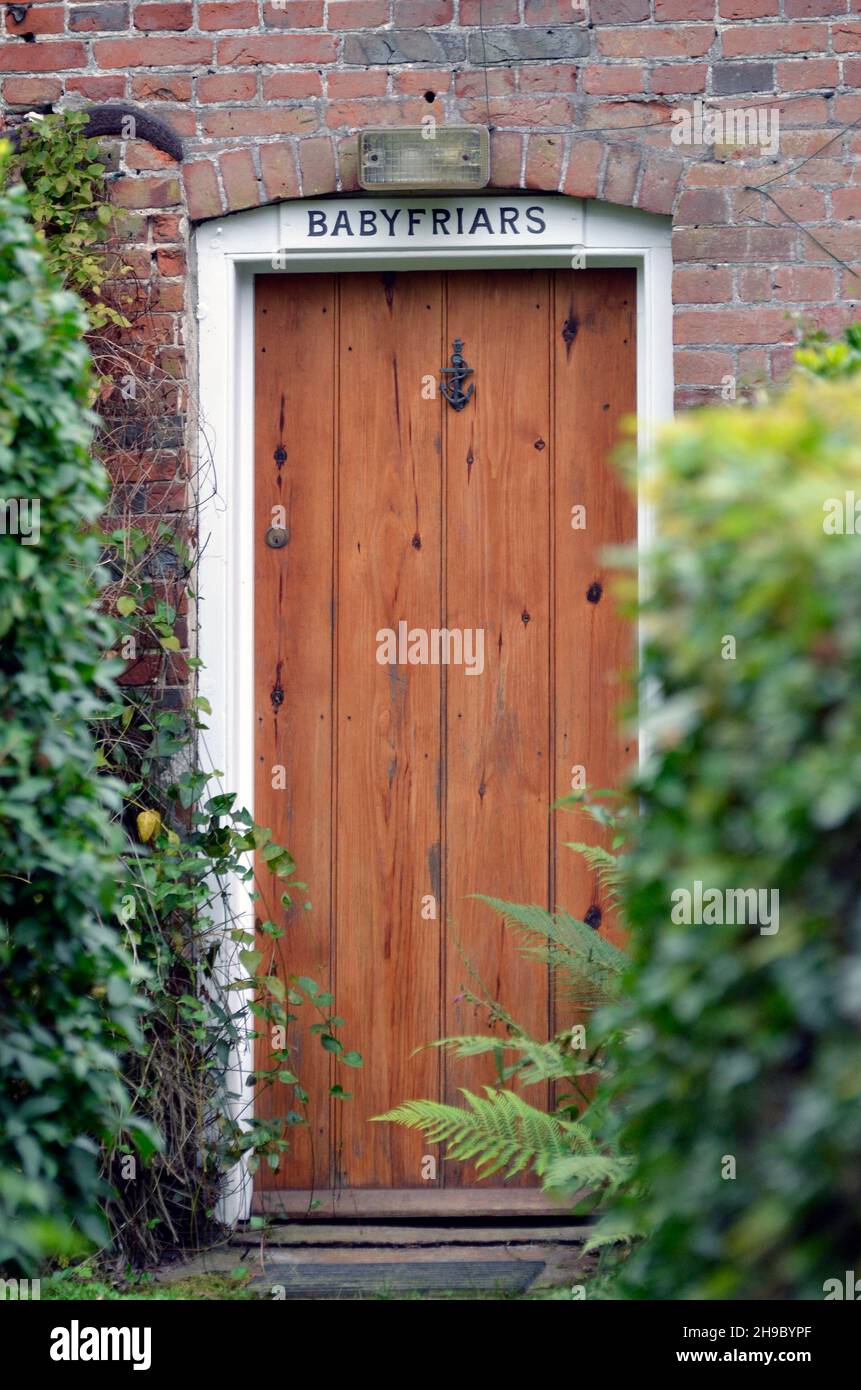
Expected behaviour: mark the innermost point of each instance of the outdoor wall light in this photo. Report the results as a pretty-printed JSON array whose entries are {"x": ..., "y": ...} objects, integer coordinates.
[{"x": 424, "y": 157}]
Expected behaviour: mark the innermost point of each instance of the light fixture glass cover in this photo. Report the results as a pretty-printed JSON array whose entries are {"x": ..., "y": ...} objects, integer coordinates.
[{"x": 443, "y": 157}]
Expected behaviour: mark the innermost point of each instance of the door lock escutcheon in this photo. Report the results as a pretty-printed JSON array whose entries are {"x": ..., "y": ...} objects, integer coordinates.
[{"x": 276, "y": 537}]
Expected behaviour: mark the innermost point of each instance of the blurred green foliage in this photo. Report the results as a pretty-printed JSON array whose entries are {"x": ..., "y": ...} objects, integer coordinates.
[
  {"x": 730, "y": 1043},
  {"x": 68, "y": 999}
]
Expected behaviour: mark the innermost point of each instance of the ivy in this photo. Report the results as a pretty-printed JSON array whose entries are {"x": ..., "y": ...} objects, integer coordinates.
[
  {"x": 70, "y": 990},
  {"x": 187, "y": 843}
]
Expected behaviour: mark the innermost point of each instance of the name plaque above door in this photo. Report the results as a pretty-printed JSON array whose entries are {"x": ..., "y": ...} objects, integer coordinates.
[{"x": 433, "y": 225}]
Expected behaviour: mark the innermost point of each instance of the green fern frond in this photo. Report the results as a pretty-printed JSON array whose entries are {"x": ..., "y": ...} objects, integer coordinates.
[
  {"x": 591, "y": 966},
  {"x": 536, "y": 1061},
  {"x": 501, "y": 1131}
]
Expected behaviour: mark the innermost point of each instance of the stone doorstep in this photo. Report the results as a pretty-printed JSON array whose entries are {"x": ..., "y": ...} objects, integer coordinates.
[
  {"x": 461, "y": 1266},
  {"x": 314, "y": 1233}
]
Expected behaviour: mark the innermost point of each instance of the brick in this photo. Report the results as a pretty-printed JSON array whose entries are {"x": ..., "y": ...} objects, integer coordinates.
[
  {"x": 145, "y": 193},
  {"x": 348, "y": 164},
  {"x": 227, "y": 86},
  {"x": 626, "y": 114},
  {"x": 703, "y": 368},
  {"x": 276, "y": 49},
  {"x": 846, "y": 37},
  {"x": 241, "y": 121},
  {"x": 501, "y": 82},
  {"x": 152, "y": 53},
  {"x": 528, "y": 111},
  {"x": 812, "y": 9},
  {"x": 31, "y": 91},
  {"x": 291, "y": 86},
  {"x": 357, "y": 14},
  {"x": 353, "y": 115},
  {"x": 544, "y": 161},
  {"x": 756, "y": 39},
  {"x": 691, "y": 41},
  {"x": 97, "y": 88},
  {"x": 547, "y": 77},
  {"x": 679, "y": 79},
  {"x": 703, "y": 207},
  {"x": 141, "y": 155},
  {"x": 753, "y": 283},
  {"x": 801, "y": 204},
  {"x": 42, "y": 57},
  {"x": 175, "y": 17},
  {"x": 752, "y": 366},
  {"x": 403, "y": 46},
  {"x": 503, "y": 12},
  {"x": 846, "y": 203},
  {"x": 803, "y": 75},
  {"x": 702, "y": 286},
  {"x": 748, "y": 9},
  {"x": 317, "y": 166},
  {"x": 165, "y": 226},
  {"x": 280, "y": 179},
  {"x": 729, "y": 79},
  {"x": 203, "y": 198},
  {"x": 171, "y": 86},
  {"x": 803, "y": 111},
  {"x": 98, "y": 19},
  {"x": 847, "y": 108},
  {"x": 843, "y": 241},
  {"x": 548, "y": 12},
  {"x": 360, "y": 84},
  {"x": 240, "y": 179},
  {"x": 170, "y": 260},
  {"x": 620, "y": 176},
  {"x": 617, "y": 79},
  {"x": 424, "y": 80},
  {"x": 39, "y": 19},
  {"x": 554, "y": 44},
  {"x": 294, "y": 14},
  {"x": 619, "y": 11},
  {"x": 228, "y": 14},
  {"x": 738, "y": 325},
  {"x": 584, "y": 168},
  {"x": 660, "y": 185},
  {"x": 669, "y": 11},
  {"x": 420, "y": 14},
  {"x": 731, "y": 245},
  {"x": 795, "y": 284},
  {"x": 506, "y": 150}
]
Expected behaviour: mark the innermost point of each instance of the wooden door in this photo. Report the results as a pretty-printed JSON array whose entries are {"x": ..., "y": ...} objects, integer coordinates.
[{"x": 409, "y": 785}]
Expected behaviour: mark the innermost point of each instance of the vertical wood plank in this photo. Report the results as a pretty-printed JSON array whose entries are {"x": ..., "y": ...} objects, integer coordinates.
[
  {"x": 497, "y": 578},
  {"x": 294, "y": 409},
  {"x": 387, "y": 807},
  {"x": 594, "y": 349}
]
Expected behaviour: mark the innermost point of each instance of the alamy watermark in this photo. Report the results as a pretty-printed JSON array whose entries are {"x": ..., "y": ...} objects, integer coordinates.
[
  {"x": 20, "y": 516},
  {"x": 420, "y": 646},
  {"x": 727, "y": 906},
  {"x": 743, "y": 125}
]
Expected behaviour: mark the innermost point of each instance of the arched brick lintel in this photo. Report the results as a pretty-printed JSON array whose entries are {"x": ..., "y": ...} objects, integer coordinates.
[{"x": 581, "y": 166}]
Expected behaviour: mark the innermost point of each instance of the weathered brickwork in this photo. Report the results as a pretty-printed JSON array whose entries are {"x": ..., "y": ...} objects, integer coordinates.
[{"x": 268, "y": 98}]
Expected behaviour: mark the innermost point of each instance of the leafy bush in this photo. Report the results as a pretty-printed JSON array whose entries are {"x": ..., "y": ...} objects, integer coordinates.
[
  {"x": 67, "y": 985},
  {"x": 738, "y": 1050},
  {"x": 186, "y": 841}
]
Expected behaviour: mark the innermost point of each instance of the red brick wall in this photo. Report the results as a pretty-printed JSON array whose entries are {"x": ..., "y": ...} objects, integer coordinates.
[{"x": 268, "y": 100}]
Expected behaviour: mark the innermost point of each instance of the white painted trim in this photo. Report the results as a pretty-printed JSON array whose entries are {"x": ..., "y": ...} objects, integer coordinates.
[{"x": 228, "y": 253}]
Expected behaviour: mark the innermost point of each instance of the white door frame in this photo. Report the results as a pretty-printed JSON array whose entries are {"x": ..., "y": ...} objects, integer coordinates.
[{"x": 228, "y": 253}]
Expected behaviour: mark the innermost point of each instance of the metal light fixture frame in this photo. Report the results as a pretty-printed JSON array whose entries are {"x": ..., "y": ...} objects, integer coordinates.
[{"x": 423, "y": 140}]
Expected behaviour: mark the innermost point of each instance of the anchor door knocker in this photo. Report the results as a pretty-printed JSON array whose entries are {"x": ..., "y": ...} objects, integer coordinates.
[{"x": 453, "y": 377}]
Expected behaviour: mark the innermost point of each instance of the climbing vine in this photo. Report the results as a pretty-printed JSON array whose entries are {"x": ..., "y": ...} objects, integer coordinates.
[{"x": 187, "y": 841}]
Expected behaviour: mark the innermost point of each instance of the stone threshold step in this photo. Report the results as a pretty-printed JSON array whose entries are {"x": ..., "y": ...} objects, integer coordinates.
[{"x": 308, "y": 1234}]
